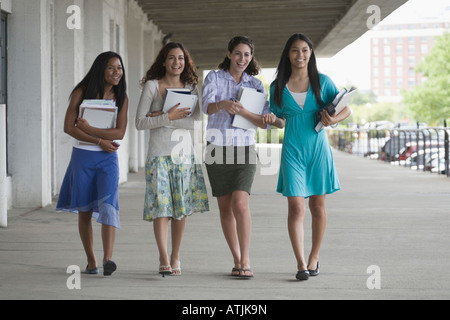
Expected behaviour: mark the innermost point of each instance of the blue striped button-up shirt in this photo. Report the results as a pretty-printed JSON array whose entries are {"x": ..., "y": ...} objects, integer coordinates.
[{"x": 218, "y": 86}]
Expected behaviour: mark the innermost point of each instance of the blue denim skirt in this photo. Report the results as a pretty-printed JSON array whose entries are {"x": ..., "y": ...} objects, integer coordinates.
[{"x": 92, "y": 183}]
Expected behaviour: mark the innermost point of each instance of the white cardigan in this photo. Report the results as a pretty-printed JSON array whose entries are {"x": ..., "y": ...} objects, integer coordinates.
[{"x": 166, "y": 137}]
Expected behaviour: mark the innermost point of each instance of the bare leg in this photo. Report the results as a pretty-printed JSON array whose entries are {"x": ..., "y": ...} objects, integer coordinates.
[
  {"x": 161, "y": 231},
  {"x": 178, "y": 228},
  {"x": 241, "y": 211},
  {"x": 108, "y": 238},
  {"x": 87, "y": 237},
  {"x": 228, "y": 223},
  {"x": 319, "y": 224},
  {"x": 295, "y": 228}
]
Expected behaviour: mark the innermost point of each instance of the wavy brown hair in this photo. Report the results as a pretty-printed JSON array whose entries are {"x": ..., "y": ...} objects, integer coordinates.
[
  {"x": 158, "y": 71},
  {"x": 253, "y": 68}
]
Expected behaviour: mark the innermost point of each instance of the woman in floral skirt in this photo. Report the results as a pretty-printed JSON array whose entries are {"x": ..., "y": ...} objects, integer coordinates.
[{"x": 175, "y": 182}]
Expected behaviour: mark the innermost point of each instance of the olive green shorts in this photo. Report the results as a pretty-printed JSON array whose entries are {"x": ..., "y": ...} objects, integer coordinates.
[{"x": 230, "y": 168}]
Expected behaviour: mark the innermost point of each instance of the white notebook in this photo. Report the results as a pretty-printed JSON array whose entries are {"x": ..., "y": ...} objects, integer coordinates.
[
  {"x": 182, "y": 96},
  {"x": 252, "y": 100}
]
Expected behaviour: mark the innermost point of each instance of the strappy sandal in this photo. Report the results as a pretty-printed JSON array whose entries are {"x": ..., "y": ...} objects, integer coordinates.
[
  {"x": 165, "y": 270},
  {"x": 176, "y": 271}
]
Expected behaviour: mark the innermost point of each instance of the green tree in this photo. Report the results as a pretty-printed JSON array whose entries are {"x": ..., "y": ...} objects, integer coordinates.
[{"x": 430, "y": 102}]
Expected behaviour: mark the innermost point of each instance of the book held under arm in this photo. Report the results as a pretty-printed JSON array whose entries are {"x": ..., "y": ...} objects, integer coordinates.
[
  {"x": 253, "y": 101},
  {"x": 337, "y": 105}
]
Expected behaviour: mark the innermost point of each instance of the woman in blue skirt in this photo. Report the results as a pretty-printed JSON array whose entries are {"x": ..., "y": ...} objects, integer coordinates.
[
  {"x": 307, "y": 167},
  {"x": 90, "y": 186}
]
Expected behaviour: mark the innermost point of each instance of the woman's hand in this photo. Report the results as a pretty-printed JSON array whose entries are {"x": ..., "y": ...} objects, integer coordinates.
[
  {"x": 269, "y": 118},
  {"x": 84, "y": 125},
  {"x": 327, "y": 120},
  {"x": 233, "y": 107},
  {"x": 108, "y": 146},
  {"x": 177, "y": 113}
]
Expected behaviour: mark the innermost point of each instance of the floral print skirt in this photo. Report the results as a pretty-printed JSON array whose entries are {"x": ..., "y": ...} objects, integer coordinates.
[{"x": 175, "y": 188}]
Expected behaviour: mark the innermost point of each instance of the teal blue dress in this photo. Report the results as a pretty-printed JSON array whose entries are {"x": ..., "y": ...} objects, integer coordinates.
[{"x": 307, "y": 166}]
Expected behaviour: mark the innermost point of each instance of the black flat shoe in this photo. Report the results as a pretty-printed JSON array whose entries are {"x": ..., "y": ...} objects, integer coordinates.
[
  {"x": 315, "y": 273},
  {"x": 109, "y": 267},
  {"x": 302, "y": 275}
]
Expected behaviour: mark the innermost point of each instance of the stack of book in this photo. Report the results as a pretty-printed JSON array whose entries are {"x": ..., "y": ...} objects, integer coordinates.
[{"x": 99, "y": 113}]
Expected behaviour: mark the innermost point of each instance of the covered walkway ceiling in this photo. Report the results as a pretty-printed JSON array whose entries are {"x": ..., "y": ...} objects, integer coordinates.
[{"x": 206, "y": 26}]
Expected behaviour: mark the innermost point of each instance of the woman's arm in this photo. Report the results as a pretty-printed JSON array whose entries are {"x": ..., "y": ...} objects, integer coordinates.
[
  {"x": 144, "y": 119},
  {"x": 70, "y": 121}
]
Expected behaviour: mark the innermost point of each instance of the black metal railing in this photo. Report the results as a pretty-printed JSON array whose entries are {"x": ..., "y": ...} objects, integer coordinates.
[{"x": 425, "y": 149}]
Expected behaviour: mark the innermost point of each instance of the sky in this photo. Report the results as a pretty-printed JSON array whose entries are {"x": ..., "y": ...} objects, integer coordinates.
[{"x": 352, "y": 64}]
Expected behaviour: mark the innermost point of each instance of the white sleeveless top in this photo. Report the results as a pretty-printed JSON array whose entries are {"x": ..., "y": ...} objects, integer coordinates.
[{"x": 299, "y": 97}]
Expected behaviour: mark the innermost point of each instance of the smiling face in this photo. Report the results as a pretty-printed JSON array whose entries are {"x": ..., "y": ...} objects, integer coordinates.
[
  {"x": 299, "y": 54},
  {"x": 113, "y": 72},
  {"x": 175, "y": 62},
  {"x": 240, "y": 58}
]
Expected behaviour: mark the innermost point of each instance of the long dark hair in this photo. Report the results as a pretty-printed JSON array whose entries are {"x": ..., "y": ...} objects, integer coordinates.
[
  {"x": 158, "y": 71},
  {"x": 93, "y": 84},
  {"x": 285, "y": 71},
  {"x": 253, "y": 67}
]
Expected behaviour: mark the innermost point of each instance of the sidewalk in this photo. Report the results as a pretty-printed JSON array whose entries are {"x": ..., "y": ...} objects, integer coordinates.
[{"x": 388, "y": 217}]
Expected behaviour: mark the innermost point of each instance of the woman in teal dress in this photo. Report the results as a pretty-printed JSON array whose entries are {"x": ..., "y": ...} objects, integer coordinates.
[{"x": 307, "y": 168}]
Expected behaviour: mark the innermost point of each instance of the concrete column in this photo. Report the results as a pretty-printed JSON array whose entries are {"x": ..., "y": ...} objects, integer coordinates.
[
  {"x": 69, "y": 69},
  {"x": 29, "y": 83},
  {"x": 3, "y": 189},
  {"x": 135, "y": 40}
]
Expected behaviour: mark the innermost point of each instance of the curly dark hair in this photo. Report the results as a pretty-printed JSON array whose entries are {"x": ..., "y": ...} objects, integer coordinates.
[
  {"x": 158, "y": 71},
  {"x": 253, "y": 68}
]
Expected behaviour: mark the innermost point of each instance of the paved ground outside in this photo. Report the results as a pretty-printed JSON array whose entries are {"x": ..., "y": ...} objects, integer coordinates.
[{"x": 387, "y": 238}]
